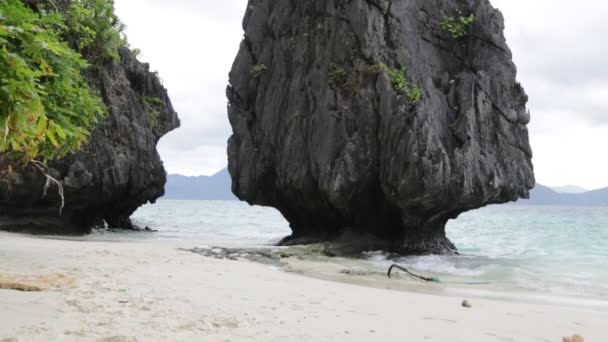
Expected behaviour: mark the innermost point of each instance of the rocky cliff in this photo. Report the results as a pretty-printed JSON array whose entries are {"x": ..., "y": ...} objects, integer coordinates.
[
  {"x": 328, "y": 128},
  {"x": 115, "y": 173}
]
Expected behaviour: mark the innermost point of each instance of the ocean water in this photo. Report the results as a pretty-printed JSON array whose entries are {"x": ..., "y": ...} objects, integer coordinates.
[{"x": 549, "y": 250}]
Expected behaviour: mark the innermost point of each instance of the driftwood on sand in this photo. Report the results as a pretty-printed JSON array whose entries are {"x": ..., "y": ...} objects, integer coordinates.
[{"x": 19, "y": 287}]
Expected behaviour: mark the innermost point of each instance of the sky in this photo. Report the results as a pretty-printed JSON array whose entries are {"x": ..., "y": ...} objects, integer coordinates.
[{"x": 558, "y": 46}]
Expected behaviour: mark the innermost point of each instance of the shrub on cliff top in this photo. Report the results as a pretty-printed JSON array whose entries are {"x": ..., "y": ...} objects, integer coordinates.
[
  {"x": 46, "y": 107},
  {"x": 95, "y": 30}
]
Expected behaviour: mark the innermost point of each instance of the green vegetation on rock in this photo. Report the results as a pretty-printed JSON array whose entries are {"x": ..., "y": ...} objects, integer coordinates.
[
  {"x": 346, "y": 80},
  {"x": 399, "y": 81},
  {"x": 95, "y": 30},
  {"x": 46, "y": 107},
  {"x": 457, "y": 26},
  {"x": 377, "y": 68},
  {"x": 337, "y": 75},
  {"x": 258, "y": 70},
  {"x": 153, "y": 106},
  {"x": 414, "y": 94}
]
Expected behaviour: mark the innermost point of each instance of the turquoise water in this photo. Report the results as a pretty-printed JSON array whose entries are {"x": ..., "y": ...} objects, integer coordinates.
[
  {"x": 553, "y": 250},
  {"x": 213, "y": 222}
]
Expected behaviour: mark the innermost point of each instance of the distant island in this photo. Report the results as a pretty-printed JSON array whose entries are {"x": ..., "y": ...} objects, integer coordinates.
[{"x": 218, "y": 187}]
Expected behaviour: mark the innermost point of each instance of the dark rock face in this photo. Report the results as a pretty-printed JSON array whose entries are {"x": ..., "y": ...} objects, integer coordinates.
[
  {"x": 116, "y": 172},
  {"x": 321, "y": 134}
]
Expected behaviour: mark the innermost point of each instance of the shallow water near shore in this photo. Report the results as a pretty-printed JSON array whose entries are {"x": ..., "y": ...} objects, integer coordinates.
[{"x": 549, "y": 251}]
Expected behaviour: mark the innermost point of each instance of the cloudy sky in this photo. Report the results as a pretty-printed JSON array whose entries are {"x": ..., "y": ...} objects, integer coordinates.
[{"x": 558, "y": 46}]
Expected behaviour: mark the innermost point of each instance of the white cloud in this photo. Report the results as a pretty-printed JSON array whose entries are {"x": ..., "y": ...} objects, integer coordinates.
[
  {"x": 204, "y": 159},
  {"x": 192, "y": 44},
  {"x": 558, "y": 47},
  {"x": 563, "y": 64}
]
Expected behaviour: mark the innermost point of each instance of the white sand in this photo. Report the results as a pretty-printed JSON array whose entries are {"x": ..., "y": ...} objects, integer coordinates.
[{"x": 101, "y": 291}]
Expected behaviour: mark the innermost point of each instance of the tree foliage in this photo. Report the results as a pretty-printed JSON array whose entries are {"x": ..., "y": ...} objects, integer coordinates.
[
  {"x": 46, "y": 106},
  {"x": 95, "y": 30}
]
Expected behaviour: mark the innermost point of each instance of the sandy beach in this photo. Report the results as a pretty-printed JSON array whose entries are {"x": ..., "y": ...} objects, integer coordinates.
[{"x": 136, "y": 291}]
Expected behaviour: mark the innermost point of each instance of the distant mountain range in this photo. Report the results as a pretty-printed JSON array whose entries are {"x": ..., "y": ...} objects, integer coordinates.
[
  {"x": 542, "y": 195},
  {"x": 569, "y": 189},
  {"x": 218, "y": 187}
]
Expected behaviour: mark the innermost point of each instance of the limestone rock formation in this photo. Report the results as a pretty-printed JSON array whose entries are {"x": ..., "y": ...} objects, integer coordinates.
[
  {"x": 115, "y": 173},
  {"x": 326, "y": 130}
]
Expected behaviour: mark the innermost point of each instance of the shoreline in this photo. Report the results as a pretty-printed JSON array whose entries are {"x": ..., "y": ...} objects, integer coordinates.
[
  {"x": 307, "y": 261},
  {"x": 155, "y": 291}
]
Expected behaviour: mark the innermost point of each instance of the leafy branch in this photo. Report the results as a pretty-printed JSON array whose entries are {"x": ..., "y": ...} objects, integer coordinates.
[{"x": 46, "y": 107}]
